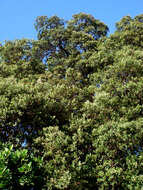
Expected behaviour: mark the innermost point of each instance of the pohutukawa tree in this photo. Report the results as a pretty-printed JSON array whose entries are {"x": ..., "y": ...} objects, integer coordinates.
[{"x": 71, "y": 106}]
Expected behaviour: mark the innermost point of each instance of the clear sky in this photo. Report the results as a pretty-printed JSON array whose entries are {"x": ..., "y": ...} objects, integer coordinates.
[{"x": 17, "y": 17}]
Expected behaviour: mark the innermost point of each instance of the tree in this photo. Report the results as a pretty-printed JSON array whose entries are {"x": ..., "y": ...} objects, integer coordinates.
[{"x": 71, "y": 106}]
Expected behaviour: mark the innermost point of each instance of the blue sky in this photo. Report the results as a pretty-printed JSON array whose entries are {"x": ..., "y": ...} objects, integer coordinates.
[{"x": 17, "y": 17}]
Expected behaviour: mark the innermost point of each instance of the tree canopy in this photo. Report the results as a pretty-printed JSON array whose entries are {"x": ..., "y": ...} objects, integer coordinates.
[{"x": 71, "y": 106}]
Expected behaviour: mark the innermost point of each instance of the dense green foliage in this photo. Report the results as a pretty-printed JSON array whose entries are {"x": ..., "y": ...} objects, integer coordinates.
[{"x": 71, "y": 106}]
